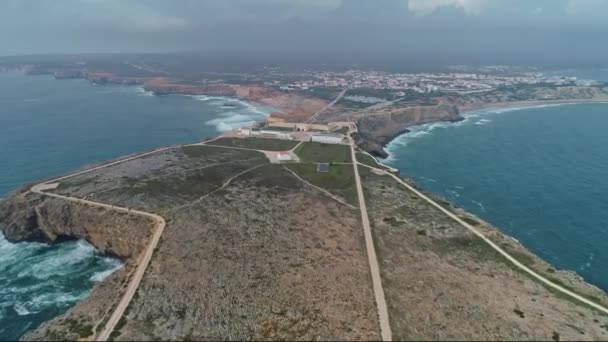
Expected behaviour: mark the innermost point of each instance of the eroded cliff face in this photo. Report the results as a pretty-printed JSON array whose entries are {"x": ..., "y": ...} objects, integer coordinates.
[
  {"x": 33, "y": 217},
  {"x": 376, "y": 130}
]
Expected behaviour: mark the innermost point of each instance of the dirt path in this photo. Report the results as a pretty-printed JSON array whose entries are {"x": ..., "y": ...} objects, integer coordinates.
[
  {"x": 142, "y": 263},
  {"x": 385, "y": 327},
  {"x": 320, "y": 111},
  {"x": 320, "y": 189},
  {"x": 144, "y": 259},
  {"x": 494, "y": 246},
  {"x": 226, "y": 183}
]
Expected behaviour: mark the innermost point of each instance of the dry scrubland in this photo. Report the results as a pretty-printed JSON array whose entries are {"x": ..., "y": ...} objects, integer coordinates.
[
  {"x": 266, "y": 257},
  {"x": 252, "y": 252},
  {"x": 442, "y": 282}
]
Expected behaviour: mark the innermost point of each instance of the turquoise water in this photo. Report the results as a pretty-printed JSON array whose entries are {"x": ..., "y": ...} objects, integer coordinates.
[
  {"x": 49, "y": 127},
  {"x": 539, "y": 174}
]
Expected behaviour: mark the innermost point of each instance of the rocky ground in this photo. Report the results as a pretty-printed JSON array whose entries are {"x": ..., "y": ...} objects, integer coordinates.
[
  {"x": 442, "y": 282},
  {"x": 252, "y": 252},
  {"x": 266, "y": 257}
]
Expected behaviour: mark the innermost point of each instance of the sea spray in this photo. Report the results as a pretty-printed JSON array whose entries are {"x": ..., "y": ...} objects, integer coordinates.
[{"x": 38, "y": 281}]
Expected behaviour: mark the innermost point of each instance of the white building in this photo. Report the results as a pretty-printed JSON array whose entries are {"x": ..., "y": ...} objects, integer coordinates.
[
  {"x": 284, "y": 156},
  {"x": 327, "y": 138},
  {"x": 275, "y": 134}
]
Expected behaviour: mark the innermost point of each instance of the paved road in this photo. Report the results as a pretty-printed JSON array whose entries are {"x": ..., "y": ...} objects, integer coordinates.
[
  {"x": 320, "y": 111},
  {"x": 497, "y": 248},
  {"x": 385, "y": 328}
]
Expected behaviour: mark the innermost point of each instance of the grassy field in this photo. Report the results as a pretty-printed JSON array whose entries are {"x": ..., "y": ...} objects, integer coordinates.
[
  {"x": 366, "y": 159},
  {"x": 201, "y": 151},
  {"x": 341, "y": 130},
  {"x": 278, "y": 129},
  {"x": 267, "y": 144},
  {"x": 324, "y": 153},
  {"x": 340, "y": 179}
]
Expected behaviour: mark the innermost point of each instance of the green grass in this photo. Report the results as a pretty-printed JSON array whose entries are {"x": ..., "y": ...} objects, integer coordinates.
[
  {"x": 267, "y": 144},
  {"x": 340, "y": 180},
  {"x": 188, "y": 185},
  {"x": 341, "y": 130},
  {"x": 201, "y": 151},
  {"x": 368, "y": 160},
  {"x": 324, "y": 153},
  {"x": 279, "y": 129}
]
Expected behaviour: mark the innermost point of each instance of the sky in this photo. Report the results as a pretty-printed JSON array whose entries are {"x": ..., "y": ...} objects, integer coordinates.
[{"x": 565, "y": 32}]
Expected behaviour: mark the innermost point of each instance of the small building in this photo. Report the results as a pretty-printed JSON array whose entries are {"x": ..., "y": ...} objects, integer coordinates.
[
  {"x": 284, "y": 156},
  {"x": 323, "y": 167},
  {"x": 275, "y": 134},
  {"x": 327, "y": 138}
]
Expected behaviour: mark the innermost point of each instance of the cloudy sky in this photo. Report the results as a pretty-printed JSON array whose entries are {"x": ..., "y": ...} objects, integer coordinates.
[{"x": 458, "y": 31}]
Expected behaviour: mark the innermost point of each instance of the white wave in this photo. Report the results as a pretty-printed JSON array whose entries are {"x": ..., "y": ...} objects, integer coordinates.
[
  {"x": 58, "y": 261},
  {"x": 47, "y": 300},
  {"x": 206, "y": 98},
  {"x": 480, "y": 205},
  {"x": 483, "y": 121},
  {"x": 255, "y": 109},
  {"x": 235, "y": 119},
  {"x": 21, "y": 310},
  {"x": 33, "y": 100},
  {"x": 144, "y": 92},
  {"x": 419, "y": 131},
  {"x": 115, "y": 266}
]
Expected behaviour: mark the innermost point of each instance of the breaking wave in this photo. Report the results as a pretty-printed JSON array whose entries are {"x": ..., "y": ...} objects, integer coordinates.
[
  {"x": 238, "y": 114},
  {"x": 38, "y": 281},
  {"x": 143, "y": 92},
  {"x": 478, "y": 117}
]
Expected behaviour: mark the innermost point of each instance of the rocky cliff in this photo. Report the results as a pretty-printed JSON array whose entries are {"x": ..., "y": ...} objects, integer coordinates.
[
  {"x": 32, "y": 217},
  {"x": 378, "y": 129}
]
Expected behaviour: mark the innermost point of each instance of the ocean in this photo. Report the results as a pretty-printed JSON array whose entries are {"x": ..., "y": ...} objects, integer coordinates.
[
  {"x": 49, "y": 127},
  {"x": 537, "y": 173}
]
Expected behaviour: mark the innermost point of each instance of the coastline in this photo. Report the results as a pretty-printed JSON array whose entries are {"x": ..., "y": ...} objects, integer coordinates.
[
  {"x": 498, "y": 231},
  {"x": 284, "y": 105},
  {"x": 570, "y": 279},
  {"x": 465, "y": 111},
  {"x": 471, "y": 113}
]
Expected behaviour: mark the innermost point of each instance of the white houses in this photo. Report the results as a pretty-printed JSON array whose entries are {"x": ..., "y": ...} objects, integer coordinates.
[{"x": 327, "y": 138}]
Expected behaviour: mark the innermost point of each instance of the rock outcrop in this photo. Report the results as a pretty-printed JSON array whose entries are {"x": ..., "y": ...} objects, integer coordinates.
[
  {"x": 33, "y": 217},
  {"x": 377, "y": 130}
]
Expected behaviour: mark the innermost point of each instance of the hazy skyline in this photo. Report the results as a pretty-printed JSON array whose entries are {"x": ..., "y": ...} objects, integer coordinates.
[{"x": 567, "y": 32}]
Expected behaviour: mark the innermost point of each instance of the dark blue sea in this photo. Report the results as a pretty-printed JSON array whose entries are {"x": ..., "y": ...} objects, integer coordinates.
[
  {"x": 539, "y": 174},
  {"x": 49, "y": 127}
]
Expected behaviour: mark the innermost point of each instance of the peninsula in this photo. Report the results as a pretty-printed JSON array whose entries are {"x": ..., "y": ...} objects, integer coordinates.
[
  {"x": 248, "y": 236},
  {"x": 292, "y": 229}
]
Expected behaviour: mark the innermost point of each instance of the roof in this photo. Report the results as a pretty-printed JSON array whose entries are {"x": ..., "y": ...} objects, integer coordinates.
[{"x": 328, "y": 135}]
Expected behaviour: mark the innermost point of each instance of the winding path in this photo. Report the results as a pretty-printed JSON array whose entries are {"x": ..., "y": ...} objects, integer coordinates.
[{"x": 144, "y": 258}]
